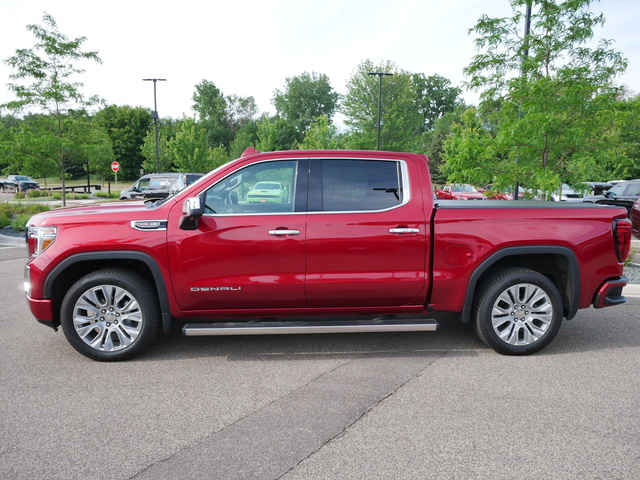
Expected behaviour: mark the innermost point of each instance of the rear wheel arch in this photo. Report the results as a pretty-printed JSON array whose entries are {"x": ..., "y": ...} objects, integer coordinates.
[
  {"x": 557, "y": 263},
  {"x": 67, "y": 272},
  {"x": 518, "y": 311}
]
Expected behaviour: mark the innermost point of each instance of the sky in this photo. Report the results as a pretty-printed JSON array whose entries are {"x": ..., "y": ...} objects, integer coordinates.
[{"x": 250, "y": 47}]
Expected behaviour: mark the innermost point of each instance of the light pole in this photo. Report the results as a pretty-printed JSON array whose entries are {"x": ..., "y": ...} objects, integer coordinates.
[
  {"x": 155, "y": 116},
  {"x": 380, "y": 75}
]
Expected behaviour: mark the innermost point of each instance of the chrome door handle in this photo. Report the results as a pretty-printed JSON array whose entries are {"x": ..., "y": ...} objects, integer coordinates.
[
  {"x": 404, "y": 230},
  {"x": 284, "y": 232}
]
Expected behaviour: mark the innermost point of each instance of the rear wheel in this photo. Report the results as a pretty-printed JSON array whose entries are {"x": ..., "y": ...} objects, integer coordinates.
[
  {"x": 111, "y": 314},
  {"x": 517, "y": 311}
]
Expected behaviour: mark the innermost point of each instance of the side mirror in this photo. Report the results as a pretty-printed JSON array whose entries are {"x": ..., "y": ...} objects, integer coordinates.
[{"x": 192, "y": 210}]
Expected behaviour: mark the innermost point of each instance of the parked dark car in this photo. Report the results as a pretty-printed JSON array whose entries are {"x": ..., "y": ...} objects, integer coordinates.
[
  {"x": 596, "y": 188},
  {"x": 623, "y": 194},
  {"x": 19, "y": 183},
  {"x": 635, "y": 219},
  {"x": 158, "y": 185}
]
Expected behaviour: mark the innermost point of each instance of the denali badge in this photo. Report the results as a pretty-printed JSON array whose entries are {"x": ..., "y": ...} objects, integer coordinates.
[{"x": 216, "y": 289}]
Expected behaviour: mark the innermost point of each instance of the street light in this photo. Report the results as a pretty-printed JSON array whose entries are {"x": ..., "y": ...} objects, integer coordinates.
[
  {"x": 155, "y": 116},
  {"x": 380, "y": 75}
]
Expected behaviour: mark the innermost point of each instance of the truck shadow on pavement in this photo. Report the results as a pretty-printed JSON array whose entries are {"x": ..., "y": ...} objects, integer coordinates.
[
  {"x": 591, "y": 330},
  {"x": 452, "y": 339}
]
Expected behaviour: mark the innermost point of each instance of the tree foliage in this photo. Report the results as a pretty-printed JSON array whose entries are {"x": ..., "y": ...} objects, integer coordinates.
[
  {"x": 275, "y": 134},
  {"x": 127, "y": 128},
  {"x": 45, "y": 85},
  {"x": 549, "y": 105},
  {"x": 322, "y": 135},
  {"x": 189, "y": 150},
  {"x": 148, "y": 149},
  {"x": 435, "y": 97},
  {"x": 305, "y": 97},
  {"x": 211, "y": 109},
  {"x": 222, "y": 117},
  {"x": 400, "y": 121}
]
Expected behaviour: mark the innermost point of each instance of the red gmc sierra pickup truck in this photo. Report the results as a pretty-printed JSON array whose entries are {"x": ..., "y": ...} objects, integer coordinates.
[{"x": 355, "y": 234}]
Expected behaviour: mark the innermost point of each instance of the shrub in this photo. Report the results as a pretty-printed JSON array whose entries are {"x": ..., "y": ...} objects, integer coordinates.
[
  {"x": 19, "y": 223},
  {"x": 38, "y": 193},
  {"x": 5, "y": 221},
  {"x": 102, "y": 194}
]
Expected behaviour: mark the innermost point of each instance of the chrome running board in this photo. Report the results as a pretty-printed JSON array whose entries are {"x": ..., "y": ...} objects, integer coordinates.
[{"x": 382, "y": 324}]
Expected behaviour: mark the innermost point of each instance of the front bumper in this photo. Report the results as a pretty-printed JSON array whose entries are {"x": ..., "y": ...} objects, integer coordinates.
[{"x": 42, "y": 310}]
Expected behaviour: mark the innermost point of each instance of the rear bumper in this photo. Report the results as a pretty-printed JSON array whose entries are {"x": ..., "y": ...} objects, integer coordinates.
[{"x": 610, "y": 293}]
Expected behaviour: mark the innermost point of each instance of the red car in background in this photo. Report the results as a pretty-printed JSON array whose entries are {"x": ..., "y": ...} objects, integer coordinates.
[
  {"x": 459, "y": 191},
  {"x": 492, "y": 194}
]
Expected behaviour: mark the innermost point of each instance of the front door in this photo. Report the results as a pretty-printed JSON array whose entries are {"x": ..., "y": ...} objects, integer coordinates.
[{"x": 248, "y": 250}]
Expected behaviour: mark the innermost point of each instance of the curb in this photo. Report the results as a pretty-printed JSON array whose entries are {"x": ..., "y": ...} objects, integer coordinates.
[{"x": 631, "y": 290}]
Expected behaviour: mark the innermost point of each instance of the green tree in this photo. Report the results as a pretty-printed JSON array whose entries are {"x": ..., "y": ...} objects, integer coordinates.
[
  {"x": 245, "y": 138},
  {"x": 240, "y": 112},
  {"x": 33, "y": 147},
  {"x": 400, "y": 120},
  {"x": 149, "y": 151},
  {"x": 435, "y": 97},
  {"x": 44, "y": 85},
  {"x": 127, "y": 128},
  {"x": 98, "y": 152},
  {"x": 432, "y": 142},
  {"x": 321, "y": 135},
  {"x": 305, "y": 97},
  {"x": 631, "y": 139},
  {"x": 211, "y": 111},
  {"x": 189, "y": 150},
  {"x": 275, "y": 134},
  {"x": 550, "y": 101}
]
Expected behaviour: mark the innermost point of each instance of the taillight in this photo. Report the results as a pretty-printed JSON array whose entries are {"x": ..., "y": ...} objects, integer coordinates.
[{"x": 622, "y": 236}]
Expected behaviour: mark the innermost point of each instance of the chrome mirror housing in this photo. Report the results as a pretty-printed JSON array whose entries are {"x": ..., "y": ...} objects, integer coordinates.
[{"x": 192, "y": 210}]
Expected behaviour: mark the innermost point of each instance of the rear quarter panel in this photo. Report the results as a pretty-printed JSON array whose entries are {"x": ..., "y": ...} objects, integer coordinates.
[{"x": 467, "y": 235}]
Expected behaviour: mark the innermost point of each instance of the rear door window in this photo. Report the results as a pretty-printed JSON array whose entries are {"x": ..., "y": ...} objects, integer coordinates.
[{"x": 358, "y": 185}]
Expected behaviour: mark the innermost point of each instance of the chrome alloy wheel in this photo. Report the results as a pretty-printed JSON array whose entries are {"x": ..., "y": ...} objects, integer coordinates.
[
  {"x": 522, "y": 314},
  {"x": 107, "y": 318}
]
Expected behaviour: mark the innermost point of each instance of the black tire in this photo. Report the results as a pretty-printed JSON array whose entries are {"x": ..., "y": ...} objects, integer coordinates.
[
  {"x": 517, "y": 311},
  {"x": 110, "y": 315}
]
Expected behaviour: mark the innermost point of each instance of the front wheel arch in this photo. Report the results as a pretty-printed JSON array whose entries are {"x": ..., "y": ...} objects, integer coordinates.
[
  {"x": 71, "y": 268},
  {"x": 110, "y": 314}
]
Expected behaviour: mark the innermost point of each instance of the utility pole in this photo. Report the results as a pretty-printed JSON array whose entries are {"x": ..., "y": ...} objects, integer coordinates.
[
  {"x": 380, "y": 75},
  {"x": 154, "y": 114}
]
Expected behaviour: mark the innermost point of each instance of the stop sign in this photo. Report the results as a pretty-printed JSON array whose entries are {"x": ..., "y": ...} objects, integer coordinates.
[{"x": 115, "y": 166}]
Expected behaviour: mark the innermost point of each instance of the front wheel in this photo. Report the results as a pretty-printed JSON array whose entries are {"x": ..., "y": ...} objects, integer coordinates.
[
  {"x": 517, "y": 311},
  {"x": 109, "y": 315}
]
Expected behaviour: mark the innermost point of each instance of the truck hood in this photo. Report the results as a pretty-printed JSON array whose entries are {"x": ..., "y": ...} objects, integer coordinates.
[{"x": 114, "y": 211}]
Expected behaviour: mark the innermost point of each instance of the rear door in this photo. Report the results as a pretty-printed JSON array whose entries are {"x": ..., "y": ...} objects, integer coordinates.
[{"x": 366, "y": 234}]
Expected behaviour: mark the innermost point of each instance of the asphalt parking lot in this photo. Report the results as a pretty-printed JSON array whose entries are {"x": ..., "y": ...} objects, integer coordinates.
[{"x": 352, "y": 406}]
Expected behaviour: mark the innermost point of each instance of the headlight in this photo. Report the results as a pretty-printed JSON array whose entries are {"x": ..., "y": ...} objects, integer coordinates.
[{"x": 39, "y": 239}]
